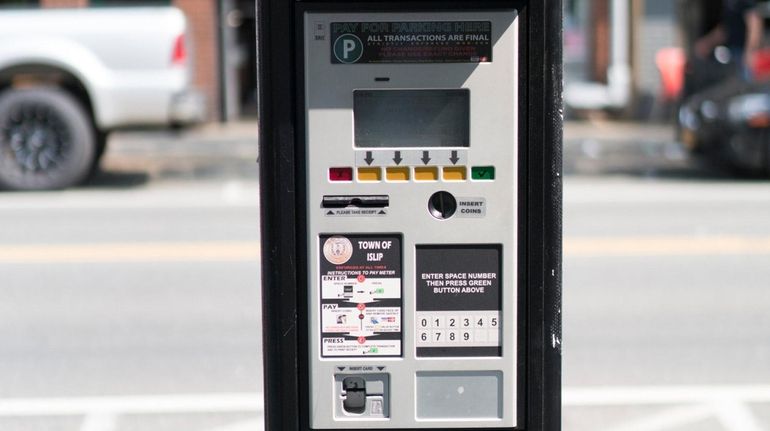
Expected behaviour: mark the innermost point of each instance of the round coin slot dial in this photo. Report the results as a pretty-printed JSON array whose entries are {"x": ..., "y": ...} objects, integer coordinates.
[{"x": 442, "y": 205}]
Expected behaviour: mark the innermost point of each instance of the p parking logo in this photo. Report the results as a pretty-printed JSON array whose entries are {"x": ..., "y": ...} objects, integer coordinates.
[{"x": 348, "y": 48}]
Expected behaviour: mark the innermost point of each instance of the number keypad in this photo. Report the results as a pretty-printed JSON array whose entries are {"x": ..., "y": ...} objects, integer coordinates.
[{"x": 458, "y": 329}]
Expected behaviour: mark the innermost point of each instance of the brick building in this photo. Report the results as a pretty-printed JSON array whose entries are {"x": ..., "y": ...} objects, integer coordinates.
[{"x": 223, "y": 42}]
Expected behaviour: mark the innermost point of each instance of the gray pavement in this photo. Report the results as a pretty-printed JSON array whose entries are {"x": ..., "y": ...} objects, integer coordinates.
[
  {"x": 132, "y": 303},
  {"x": 665, "y": 286},
  {"x": 683, "y": 301},
  {"x": 634, "y": 150},
  {"x": 211, "y": 152}
]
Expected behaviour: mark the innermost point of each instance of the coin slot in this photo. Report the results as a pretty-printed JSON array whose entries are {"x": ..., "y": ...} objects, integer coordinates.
[{"x": 442, "y": 205}]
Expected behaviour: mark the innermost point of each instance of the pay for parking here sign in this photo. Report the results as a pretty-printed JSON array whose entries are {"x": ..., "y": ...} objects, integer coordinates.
[{"x": 411, "y": 42}]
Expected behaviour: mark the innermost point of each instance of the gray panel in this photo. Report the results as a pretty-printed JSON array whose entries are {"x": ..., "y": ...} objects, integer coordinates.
[
  {"x": 329, "y": 96},
  {"x": 460, "y": 395}
]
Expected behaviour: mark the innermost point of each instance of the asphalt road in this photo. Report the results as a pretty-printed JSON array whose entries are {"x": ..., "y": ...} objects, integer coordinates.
[
  {"x": 666, "y": 292},
  {"x": 132, "y": 303}
]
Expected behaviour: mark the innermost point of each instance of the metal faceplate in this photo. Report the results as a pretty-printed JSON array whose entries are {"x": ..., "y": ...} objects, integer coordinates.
[{"x": 412, "y": 265}]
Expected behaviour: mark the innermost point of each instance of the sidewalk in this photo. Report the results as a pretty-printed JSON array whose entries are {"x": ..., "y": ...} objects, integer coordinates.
[
  {"x": 211, "y": 151},
  {"x": 618, "y": 131},
  {"x": 624, "y": 148}
]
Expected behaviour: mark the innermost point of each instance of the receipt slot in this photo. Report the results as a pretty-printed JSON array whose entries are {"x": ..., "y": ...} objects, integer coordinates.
[{"x": 410, "y": 201}]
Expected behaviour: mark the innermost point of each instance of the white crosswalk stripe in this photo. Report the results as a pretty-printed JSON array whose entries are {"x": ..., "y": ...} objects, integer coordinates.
[{"x": 683, "y": 405}]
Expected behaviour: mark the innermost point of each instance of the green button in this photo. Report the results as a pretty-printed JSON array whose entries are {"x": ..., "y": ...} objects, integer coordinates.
[{"x": 483, "y": 173}]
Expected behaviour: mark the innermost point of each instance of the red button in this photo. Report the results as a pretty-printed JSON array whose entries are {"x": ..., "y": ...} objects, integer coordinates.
[{"x": 340, "y": 174}]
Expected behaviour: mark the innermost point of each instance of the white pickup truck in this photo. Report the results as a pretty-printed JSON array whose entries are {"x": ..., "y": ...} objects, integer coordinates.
[{"x": 70, "y": 76}]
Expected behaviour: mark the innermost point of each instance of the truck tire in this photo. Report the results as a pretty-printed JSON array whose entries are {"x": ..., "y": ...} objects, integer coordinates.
[{"x": 46, "y": 140}]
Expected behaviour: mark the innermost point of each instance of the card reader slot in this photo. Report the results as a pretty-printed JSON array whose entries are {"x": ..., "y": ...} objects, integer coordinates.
[{"x": 359, "y": 201}]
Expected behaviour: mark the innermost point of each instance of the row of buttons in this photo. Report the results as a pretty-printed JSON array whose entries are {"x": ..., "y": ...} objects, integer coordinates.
[
  {"x": 418, "y": 173},
  {"x": 490, "y": 320},
  {"x": 475, "y": 337}
]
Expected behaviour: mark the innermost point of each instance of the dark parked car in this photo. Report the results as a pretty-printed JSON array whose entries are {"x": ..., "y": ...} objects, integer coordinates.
[
  {"x": 725, "y": 114},
  {"x": 730, "y": 124}
]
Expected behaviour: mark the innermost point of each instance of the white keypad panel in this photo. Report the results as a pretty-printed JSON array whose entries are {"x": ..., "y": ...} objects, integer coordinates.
[{"x": 458, "y": 328}]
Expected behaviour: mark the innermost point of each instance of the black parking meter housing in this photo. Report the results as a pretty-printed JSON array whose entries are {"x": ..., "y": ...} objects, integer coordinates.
[{"x": 286, "y": 205}]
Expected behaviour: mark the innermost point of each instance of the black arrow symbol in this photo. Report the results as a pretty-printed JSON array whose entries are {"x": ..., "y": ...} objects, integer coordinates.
[
  {"x": 369, "y": 158},
  {"x": 380, "y": 368},
  {"x": 425, "y": 157},
  {"x": 454, "y": 159},
  {"x": 382, "y": 212},
  {"x": 341, "y": 368},
  {"x": 398, "y": 158},
  {"x": 330, "y": 212}
]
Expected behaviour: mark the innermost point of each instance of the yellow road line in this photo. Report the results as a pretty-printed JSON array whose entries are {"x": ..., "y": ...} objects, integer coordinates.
[
  {"x": 213, "y": 251},
  {"x": 666, "y": 246}
]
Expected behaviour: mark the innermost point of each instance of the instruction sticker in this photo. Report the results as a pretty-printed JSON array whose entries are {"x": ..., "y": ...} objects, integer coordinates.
[
  {"x": 411, "y": 42},
  {"x": 458, "y": 310},
  {"x": 361, "y": 283}
]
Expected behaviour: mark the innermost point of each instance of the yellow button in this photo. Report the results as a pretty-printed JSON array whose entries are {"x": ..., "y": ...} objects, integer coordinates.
[
  {"x": 455, "y": 173},
  {"x": 426, "y": 173},
  {"x": 369, "y": 174},
  {"x": 397, "y": 174}
]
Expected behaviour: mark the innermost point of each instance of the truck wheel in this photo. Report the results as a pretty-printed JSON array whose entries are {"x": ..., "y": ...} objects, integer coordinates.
[{"x": 46, "y": 140}]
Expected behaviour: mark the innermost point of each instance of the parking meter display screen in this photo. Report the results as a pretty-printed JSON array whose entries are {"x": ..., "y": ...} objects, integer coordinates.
[{"x": 411, "y": 118}]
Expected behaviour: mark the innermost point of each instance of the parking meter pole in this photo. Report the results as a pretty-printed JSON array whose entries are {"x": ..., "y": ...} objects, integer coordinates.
[
  {"x": 545, "y": 218},
  {"x": 314, "y": 379},
  {"x": 281, "y": 217}
]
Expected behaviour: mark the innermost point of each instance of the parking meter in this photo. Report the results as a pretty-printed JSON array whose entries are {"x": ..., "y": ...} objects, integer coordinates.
[{"x": 411, "y": 194}]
